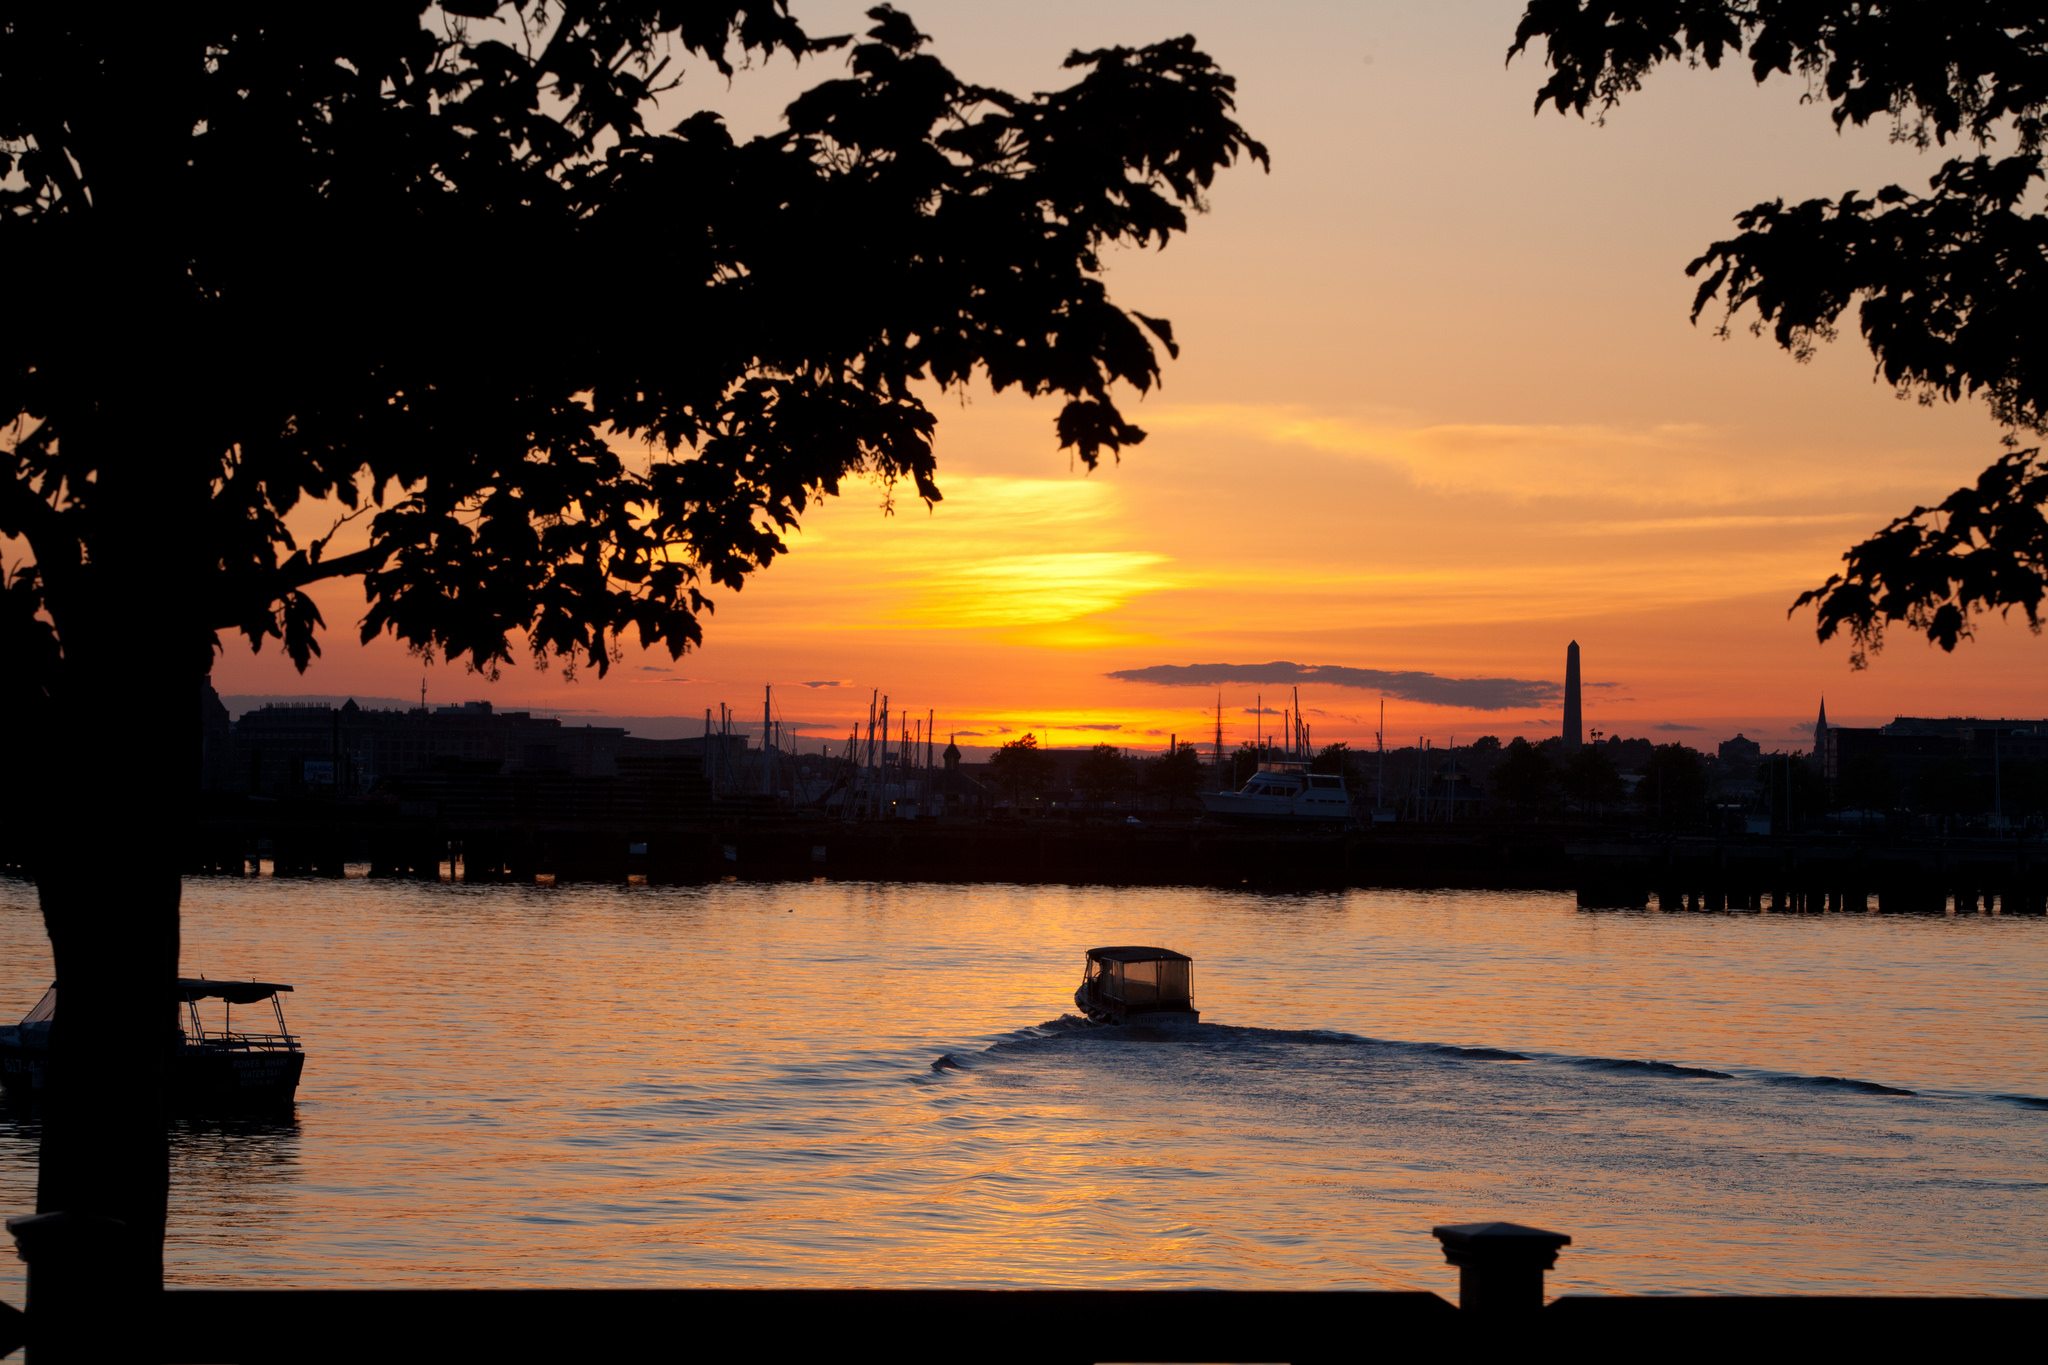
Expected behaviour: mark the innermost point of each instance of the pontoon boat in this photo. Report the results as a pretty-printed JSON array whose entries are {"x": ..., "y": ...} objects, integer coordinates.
[{"x": 223, "y": 1067}]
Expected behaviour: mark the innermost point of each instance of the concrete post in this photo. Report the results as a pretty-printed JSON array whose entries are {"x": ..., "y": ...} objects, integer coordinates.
[
  {"x": 75, "y": 1307},
  {"x": 1500, "y": 1265}
]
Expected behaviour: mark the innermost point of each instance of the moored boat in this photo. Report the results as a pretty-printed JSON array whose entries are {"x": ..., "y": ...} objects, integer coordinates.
[
  {"x": 211, "y": 1068},
  {"x": 1283, "y": 793},
  {"x": 1133, "y": 985}
]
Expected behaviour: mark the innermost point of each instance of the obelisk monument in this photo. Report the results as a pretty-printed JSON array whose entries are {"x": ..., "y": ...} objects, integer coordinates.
[{"x": 1574, "y": 727}]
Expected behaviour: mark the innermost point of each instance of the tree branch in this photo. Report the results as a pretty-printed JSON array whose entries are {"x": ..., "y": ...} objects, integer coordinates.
[{"x": 297, "y": 573}]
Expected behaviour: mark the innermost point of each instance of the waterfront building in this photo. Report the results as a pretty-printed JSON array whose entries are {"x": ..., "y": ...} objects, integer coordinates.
[
  {"x": 1740, "y": 755},
  {"x": 1861, "y": 762},
  {"x": 1955, "y": 727},
  {"x": 953, "y": 791},
  {"x": 299, "y": 750}
]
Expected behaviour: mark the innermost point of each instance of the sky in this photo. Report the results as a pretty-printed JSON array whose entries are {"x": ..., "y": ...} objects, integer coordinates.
[{"x": 1439, "y": 411}]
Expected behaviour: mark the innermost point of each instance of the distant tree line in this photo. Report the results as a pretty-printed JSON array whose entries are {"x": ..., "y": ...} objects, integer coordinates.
[{"x": 1022, "y": 770}]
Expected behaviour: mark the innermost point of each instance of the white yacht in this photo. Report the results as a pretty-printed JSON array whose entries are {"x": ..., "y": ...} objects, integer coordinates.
[{"x": 1283, "y": 793}]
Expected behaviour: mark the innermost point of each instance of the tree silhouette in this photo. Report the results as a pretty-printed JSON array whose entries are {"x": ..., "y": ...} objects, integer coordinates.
[
  {"x": 568, "y": 373},
  {"x": 1175, "y": 774},
  {"x": 1792, "y": 788},
  {"x": 1102, "y": 773},
  {"x": 1021, "y": 768},
  {"x": 1591, "y": 779},
  {"x": 1247, "y": 757},
  {"x": 1525, "y": 777},
  {"x": 1949, "y": 286},
  {"x": 1674, "y": 787}
]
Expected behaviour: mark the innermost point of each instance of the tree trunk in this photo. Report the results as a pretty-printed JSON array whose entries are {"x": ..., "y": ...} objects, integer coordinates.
[
  {"x": 116, "y": 731},
  {"x": 106, "y": 870},
  {"x": 119, "y": 769}
]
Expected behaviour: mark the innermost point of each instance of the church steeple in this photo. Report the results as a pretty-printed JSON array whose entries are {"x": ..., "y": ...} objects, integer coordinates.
[
  {"x": 1820, "y": 731},
  {"x": 952, "y": 755}
]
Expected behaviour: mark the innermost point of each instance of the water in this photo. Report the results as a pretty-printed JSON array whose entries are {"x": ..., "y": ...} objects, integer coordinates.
[{"x": 869, "y": 1084}]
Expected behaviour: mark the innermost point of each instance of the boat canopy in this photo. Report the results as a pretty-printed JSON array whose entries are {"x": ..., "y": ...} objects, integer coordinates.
[
  {"x": 234, "y": 992},
  {"x": 1142, "y": 978},
  {"x": 189, "y": 988},
  {"x": 1134, "y": 954}
]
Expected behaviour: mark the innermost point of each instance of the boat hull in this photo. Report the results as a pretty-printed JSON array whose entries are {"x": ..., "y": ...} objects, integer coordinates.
[
  {"x": 1250, "y": 810},
  {"x": 201, "y": 1078},
  {"x": 1104, "y": 1011}
]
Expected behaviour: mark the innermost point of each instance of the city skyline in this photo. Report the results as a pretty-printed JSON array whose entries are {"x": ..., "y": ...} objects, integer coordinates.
[{"x": 1241, "y": 725}]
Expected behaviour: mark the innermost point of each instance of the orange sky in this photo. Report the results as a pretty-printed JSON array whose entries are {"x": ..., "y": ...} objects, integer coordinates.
[{"x": 1439, "y": 408}]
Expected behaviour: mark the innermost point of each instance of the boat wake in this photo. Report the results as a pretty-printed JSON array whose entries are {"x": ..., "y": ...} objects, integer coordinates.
[
  {"x": 1072, "y": 1030},
  {"x": 1839, "y": 1083},
  {"x": 1629, "y": 1064}
]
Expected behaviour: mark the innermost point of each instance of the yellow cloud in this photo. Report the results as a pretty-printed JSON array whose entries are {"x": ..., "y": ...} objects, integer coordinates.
[
  {"x": 1028, "y": 590},
  {"x": 997, "y": 554}
]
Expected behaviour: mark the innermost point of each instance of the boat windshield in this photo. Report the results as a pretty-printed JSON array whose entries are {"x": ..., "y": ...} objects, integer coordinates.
[
  {"x": 1150, "y": 982},
  {"x": 213, "y": 1021}
]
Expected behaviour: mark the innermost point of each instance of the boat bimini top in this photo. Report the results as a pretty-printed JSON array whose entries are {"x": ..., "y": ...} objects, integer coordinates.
[
  {"x": 234, "y": 992},
  {"x": 189, "y": 992}
]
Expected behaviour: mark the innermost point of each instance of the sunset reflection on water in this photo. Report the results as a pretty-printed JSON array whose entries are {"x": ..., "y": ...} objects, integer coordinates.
[{"x": 866, "y": 1084}]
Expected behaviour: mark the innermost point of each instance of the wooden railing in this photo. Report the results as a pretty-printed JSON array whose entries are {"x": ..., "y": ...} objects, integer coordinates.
[
  {"x": 253, "y": 1042},
  {"x": 1501, "y": 1269}
]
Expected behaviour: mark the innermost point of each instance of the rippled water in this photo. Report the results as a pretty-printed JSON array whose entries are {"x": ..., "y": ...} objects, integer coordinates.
[{"x": 871, "y": 1084}]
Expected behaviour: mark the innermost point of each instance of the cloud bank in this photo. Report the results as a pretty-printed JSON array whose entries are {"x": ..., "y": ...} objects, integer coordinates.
[{"x": 1476, "y": 694}]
